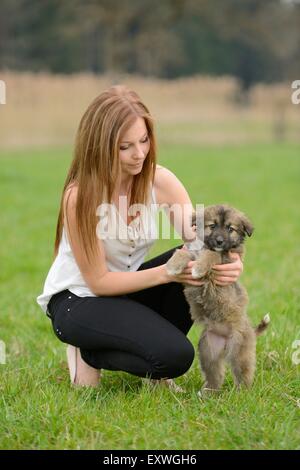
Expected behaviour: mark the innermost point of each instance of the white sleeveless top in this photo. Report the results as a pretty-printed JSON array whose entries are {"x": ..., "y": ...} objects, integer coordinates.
[{"x": 124, "y": 252}]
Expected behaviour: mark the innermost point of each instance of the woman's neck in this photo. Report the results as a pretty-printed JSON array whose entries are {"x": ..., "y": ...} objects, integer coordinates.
[{"x": 124, "y": 185}]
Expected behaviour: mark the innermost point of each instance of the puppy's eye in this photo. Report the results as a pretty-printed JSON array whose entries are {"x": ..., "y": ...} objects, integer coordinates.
[
  {"x": 212, "y": 226},
  {"x": 230, "y": 229}
]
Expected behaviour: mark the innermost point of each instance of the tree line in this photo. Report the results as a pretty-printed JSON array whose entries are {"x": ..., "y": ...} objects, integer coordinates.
[{"x": 253, "y": 40}]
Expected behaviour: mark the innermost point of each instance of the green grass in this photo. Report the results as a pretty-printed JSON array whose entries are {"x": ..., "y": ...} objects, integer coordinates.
[{"x": 39, "y": 409}]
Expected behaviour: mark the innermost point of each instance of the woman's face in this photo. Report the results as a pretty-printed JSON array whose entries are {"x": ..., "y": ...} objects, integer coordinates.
[{"x": 134, "y": 148}]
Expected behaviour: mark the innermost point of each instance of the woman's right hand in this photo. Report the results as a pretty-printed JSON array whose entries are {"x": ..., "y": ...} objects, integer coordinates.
[{"x": 184, "y": 277}]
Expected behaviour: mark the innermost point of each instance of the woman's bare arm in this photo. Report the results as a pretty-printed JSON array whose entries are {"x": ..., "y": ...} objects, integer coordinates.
[
  {"x": 176, "y": 202},
  {"x": 98, "y": 278}
]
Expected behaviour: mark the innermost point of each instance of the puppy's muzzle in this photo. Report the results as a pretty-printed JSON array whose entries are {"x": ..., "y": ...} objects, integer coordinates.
[{"x": 220, "y": 241}]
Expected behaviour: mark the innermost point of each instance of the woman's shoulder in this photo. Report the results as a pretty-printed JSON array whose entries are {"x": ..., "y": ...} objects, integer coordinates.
[
  {"x": 70, "y": 198},
  {"x": 161, "y": 174},
  {"x": 71, "y": 191},
  {"x": 159, "y": 183},
  {"x": 164, "y": 181}
]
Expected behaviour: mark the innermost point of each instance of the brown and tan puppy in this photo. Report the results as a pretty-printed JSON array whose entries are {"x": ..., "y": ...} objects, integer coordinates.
[{"x": 228, "y": 335}]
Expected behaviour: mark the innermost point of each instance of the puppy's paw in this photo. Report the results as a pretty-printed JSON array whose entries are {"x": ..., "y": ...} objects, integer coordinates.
[
  {"x": 203, "y": 393},
  {"x": 173, "y": 386},
  {"x": 206, "y": 392},
  {"x": 178, "y": 262},
  {"x": 169, "y": 383},
  {"x": 198, "y": 270},
  {"x": 173, "y": 269}
]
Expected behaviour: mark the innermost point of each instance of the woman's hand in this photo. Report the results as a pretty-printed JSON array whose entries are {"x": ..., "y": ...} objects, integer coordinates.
[{"x": 226, "y": 274}]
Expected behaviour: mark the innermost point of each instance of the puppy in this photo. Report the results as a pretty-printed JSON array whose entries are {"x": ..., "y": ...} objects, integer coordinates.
[{"x": 228, "y": 335}]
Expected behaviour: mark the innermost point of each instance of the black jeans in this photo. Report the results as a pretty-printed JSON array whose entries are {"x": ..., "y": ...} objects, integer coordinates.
[{"x": 142, "y": 333}]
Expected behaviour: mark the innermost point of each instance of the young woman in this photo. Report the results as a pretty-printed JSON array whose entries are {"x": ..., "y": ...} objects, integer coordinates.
[{"x": 114, "y": 310}]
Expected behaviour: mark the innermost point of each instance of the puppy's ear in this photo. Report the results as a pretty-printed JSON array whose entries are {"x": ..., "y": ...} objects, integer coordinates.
[{"x": 247, "y": 226}]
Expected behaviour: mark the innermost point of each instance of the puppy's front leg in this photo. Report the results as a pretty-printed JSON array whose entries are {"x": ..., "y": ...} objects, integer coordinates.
[
  {"x": 178, "y": 262},
  {"x": 203, "y": 265}
]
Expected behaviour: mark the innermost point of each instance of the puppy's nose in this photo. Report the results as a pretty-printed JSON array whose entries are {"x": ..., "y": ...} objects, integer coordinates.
[{"x": 219, "y": 240}]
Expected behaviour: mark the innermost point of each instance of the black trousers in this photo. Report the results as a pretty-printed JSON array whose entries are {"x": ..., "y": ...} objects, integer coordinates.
[{"x": 142, "y": 333}]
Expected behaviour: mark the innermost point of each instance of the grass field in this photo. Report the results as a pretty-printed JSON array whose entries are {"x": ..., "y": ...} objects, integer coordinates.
[{"x": 39, "y": 409}]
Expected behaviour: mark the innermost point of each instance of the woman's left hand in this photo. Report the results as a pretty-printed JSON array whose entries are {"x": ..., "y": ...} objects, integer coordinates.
[{"x": 226, "y": 274}]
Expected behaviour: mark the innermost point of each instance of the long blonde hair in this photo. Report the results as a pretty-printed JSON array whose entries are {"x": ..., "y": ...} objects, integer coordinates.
[{"x": 96, "y": 165}]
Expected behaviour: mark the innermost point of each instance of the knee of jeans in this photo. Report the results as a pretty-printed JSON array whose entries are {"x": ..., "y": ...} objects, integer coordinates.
[{"x": 176, "y": 360}]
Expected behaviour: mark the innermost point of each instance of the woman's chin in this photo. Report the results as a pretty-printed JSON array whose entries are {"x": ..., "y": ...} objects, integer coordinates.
[{"x": 136, "y": 169}]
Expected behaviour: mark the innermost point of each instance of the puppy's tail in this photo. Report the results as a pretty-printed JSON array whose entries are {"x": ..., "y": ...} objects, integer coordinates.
[{"x": 263, "y": 325}]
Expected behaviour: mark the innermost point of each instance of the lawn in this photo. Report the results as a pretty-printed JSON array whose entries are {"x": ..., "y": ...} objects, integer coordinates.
[{"x": 39, "y": 409}]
